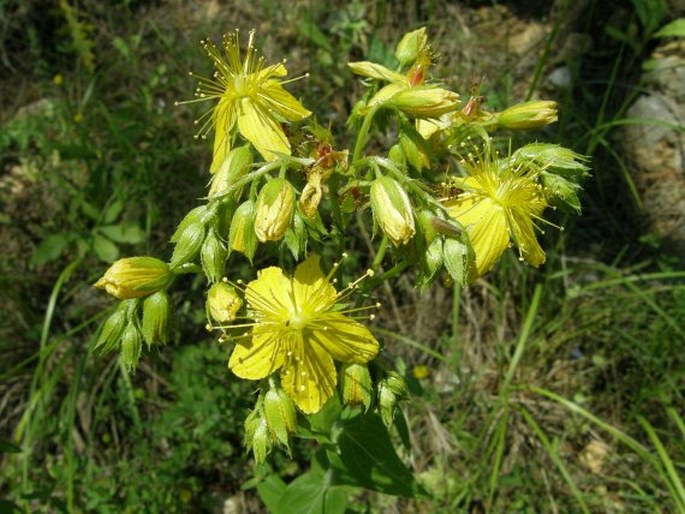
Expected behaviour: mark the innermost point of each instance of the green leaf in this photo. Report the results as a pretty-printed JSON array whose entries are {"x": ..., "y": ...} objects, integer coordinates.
[
  {"x": 112, "y": 212},
  {"x": 674, "y": 29},
  {"x": 50, "y": 248},
  {"x": 125, "y": 232},
  {"x": 8, "y": 447},
  {"x": 105, "y": 249},
  {"x": 90, "y": 210},
  {"x": 312, "y": 493},
  {"x": 368, "y": 459},
  {"x": 271, "y": 490}
]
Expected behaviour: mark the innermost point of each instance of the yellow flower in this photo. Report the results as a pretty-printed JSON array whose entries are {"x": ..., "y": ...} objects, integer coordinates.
[
  {"x": 497, "y": 205},
  {"x": 298, "y": 330},
  {"x": 250, "y": 95}
]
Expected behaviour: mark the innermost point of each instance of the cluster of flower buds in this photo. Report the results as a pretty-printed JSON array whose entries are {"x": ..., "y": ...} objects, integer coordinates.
[{"x": 146, "y": 312}]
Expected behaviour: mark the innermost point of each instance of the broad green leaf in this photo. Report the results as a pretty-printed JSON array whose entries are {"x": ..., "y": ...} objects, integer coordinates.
[
  {"x": 368, "y": 459},
  {"x": 674, "y": 29},
  {"x": 125, "y": 232},
  {"x": 312, "y": 493},
  {"x": 90, "y": 210},
  {"x": 50, "y": 248},
  {"x": 271, "y": 490},
  {"x": 105, "y": 249}
]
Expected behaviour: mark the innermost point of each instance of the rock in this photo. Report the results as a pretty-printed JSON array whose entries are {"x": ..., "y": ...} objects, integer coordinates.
[{"x": 655, "y": 146}]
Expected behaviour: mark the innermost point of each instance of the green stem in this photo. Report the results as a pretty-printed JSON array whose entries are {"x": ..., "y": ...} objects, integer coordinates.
[
  {"x": 382, "y": 249},
  {"x": 363, "y": 134}
]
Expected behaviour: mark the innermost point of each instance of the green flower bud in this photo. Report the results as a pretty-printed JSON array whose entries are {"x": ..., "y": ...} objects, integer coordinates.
[
  {"x": 223, "y": 302},
  {"x": 135, "y": 277},
  {"x": 415, "y": 156},
  {"x": 425, "y": 219},
  {"x": 131, "y": 346},
  {"x": 112, "y": 328},
  {"x": 157, "y": 318},
  {"x": 275, "y": 209},
  {"x": 235, "y": 166},
  {"x": 199, "y": 214},
  {"x": 425, "y": 101},
  {"x": 396, "y": 155},
  {"x": 561, "y": 192},
  {"x": 356, "y": 385},
  {"x": 411, "y": 46},
  {"x": 188, "y": 244},
  {"x": 528, "y": 115},
  {"x": 392, "y": 210},
  {"x": 257, "y": 435},
  {"x": 213, "y": 257},
  {"x": 386, "y": 403},
  {"x": 280, "y": 414},
  {"x": 241, "y": 236},
  {"x": 390, "y": 390}
]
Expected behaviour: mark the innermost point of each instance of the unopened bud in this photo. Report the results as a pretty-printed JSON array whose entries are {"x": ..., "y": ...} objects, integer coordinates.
[
  {"x": 188, "y": 244},
  {"x": 223, "y": 302},
  {"x": 235, "y": 166},
  {"x": 241, "y": 235},
  {"x": 390, "y": 390},
  {"x": 392, "y": 210},
  {"x": 131, "y": 346},
  {"x": 135, "y": 277},
  {"x": 561, "y": 192},
  {"x": 213, "y": 257},
  {"x": 425, "y": 101},
  {"x": 257, "y": 435},
  {"x": 280, "y": 414},
  {"x": 356, "y": 385},
  {"x": 197, "y": 215},
  {"x": 157, "y": 318},
  {"x": 112, "y": 328},
  {"x": 528, "y": 115},
  {"x": 411, "y": 46},
  {"x": 275, "y": 209},
  {"x": 425, "y": 219}
]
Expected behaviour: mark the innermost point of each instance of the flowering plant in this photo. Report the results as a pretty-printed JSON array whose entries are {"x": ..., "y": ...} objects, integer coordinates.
[{"x": 443, "y": 201}]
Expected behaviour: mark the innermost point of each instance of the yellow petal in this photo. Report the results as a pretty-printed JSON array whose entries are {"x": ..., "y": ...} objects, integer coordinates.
[
  {"x": 526, "y": 240},
  {"x": 261, "y": 356},
  {"x": 312, "y": 290},
  {"x": 344, "y": 338},
  {"x": 275, "y": 70},
  {"x": 486, "y": 225},
  {"x": 310, "y": 379},
  {"x": 283, "y": 102},
  {"x": 270, "y": 294},
  {"x": 377, "y": 71},
  {"x": 224, "y": 120},
  {"x": 261, "y": 129}
]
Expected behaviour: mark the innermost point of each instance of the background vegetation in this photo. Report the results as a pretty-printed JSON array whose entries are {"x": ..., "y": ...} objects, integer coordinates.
[{"x": 551, "y": 390}]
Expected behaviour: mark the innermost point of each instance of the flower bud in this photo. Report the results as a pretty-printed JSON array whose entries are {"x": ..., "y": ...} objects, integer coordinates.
[
  {"x": 112, "y": 328},
  {"x": 528, "y": 115},
  {"x": 157, "y": 318},
  {"x": 199, "y": 214},
  {"x": 425, "y": 220},
  {"x": 356, "y": 385},
  {"x": 213, "y": 257},
  {"x": 257, "y": 435},
  {"x": 425, "y": 101},
  {"x": 241, "y": 235},
  {"x": 280, "y": 414},
  {"x": 223, "y": 303},
  {"x": 131, "y": 346},
  {"x": 235, "y": 166},
  {"x": 413, "y": 153},
  {"x": 411, "y": 46},
  {"x": 135, "y": 277},
  {"x": 561, "y": 192},
  {"x": 275, "y": 209},
  {"x": 188, "y": 244},
  {"x": 392, "y": 210}
]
